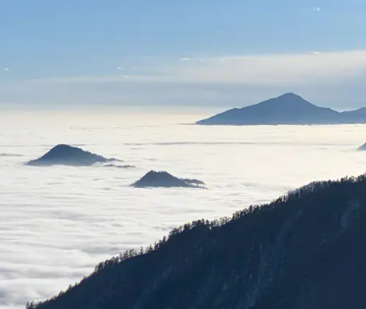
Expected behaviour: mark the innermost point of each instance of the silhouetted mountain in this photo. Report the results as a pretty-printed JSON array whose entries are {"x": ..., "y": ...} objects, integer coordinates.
[
  {"x": 68, "y": 155},
  {"x": 286, "y": 109},
  {"x": 358, "y": 115},
  {"x": 305, "y": 250},
  {"x": 363, "y": 147},
  {"x": 164, "y": 179}
]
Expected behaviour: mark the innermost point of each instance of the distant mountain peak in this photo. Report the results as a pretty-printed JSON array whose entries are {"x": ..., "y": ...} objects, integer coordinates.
[
  {"x": 68, "y": 155},
  {"x": 287, "y": 100},
  {"x": 164, "y": 179},
  {"x": 289, "y": 108},
  {"x": 291, "y": 95}
]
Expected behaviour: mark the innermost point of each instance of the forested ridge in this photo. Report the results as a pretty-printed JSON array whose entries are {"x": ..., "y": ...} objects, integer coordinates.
[{"x": 303, "y": 250}]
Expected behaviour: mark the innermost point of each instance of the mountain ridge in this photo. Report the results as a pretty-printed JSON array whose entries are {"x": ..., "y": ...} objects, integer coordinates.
[
  {"x": 63, "y": 154},
  {"x": 288, "y": 108},
  {"x": 303, "y": 250},
  {"x": 162, "y": 179}
]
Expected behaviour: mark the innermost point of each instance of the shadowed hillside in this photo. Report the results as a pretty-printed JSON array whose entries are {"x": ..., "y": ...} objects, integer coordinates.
[{"x": 304, "y": 250}]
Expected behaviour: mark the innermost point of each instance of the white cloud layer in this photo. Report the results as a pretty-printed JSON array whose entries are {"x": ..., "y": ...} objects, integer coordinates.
[{"x": 57, "y": 223}]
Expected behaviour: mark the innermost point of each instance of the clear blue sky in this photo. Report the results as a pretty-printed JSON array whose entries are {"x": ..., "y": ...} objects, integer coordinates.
[{"x": 45, "y": 39}]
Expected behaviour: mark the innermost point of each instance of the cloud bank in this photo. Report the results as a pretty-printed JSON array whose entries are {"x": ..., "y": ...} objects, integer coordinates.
[
  {"x": 335, "y": 78},
  {"x": 57, "y": 223}
]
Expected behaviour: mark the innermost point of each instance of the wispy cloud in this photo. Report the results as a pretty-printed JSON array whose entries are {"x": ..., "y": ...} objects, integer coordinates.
[
  {"x": 274, "y": 69},
  {"x": 215, "y": 79},
  {"x": 185, "y": 59},
  {"x": 6, "y": 69},
  {"x": 317, "y": 9},
  {"x": 120, "y": 68},
  {"x": 271, "y": 69}
]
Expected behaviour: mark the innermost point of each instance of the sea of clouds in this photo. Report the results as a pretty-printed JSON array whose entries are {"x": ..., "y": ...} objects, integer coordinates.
[{"x": 58, "y": 222}]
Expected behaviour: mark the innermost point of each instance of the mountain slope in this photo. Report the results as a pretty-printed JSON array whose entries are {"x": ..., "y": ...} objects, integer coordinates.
[
  {"x": 304, "y": 250},
  {"x": 165, "y": 180},
  {"x": 286, "y": 109},
  {"x": 68, "y": 155}
]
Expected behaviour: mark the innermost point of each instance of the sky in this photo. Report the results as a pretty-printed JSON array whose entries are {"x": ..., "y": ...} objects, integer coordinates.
[{"x": 192, "y": 52}]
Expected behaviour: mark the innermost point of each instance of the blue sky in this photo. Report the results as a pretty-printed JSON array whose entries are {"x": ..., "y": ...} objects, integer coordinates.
[{"x": 150, "y": 52}]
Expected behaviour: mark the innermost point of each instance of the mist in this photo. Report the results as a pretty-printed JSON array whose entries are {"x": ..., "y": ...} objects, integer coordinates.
[{"x": 58, "y": 222}]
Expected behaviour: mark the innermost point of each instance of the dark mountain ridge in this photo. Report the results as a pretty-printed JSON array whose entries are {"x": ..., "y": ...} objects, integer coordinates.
[
  {"x": 285, "y": 109},
  {"x": 303, "y": 250},
  {"x": 362, "y": 148},
  {"x": 166, "y": 180},
  {"x": 69, "y": 155}
]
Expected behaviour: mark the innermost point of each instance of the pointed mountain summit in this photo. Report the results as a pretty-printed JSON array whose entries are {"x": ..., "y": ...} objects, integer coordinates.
[
  {"x": 68, "y": 155},
  {"x": 289, "y": 108},
  {"x": 166, "y": 180}
]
